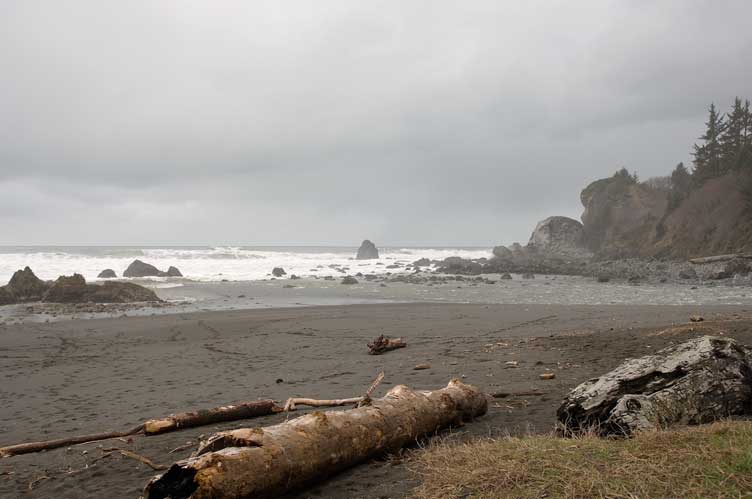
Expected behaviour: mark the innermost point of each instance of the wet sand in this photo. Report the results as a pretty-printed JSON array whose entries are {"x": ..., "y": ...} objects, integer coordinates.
[{"x": 82, "y": 376}]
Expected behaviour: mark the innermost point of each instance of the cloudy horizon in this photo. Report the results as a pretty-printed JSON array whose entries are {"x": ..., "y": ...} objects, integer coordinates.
[{"x": 409, "y": 123}]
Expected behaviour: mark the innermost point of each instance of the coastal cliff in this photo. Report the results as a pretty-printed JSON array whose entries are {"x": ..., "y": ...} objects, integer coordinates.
[{"x": 624, "y": 218}]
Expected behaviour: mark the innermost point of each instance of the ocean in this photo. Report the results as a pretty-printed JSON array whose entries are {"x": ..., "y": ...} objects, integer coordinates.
[{"x": 212, "y": 263}]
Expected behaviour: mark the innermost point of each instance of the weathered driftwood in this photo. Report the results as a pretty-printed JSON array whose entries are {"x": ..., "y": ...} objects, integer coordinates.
[
  {"x": 260, "y": 462},
  {"x": 719, "y": 258},
  {"x": 203, "y": 417},
  {"x": 383, "y": 344},
  {"x": 695, "y": 382},
  {"x": 28, "y": 448}
]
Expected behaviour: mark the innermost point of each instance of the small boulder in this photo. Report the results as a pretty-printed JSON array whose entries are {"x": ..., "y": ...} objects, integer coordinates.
[
  {"x": 603, "y": 278},
  {"x": 506, "y": 276},
  {"x": 737, "y": 266},
  {"x": 141, "y": 269},
  {"x": 349, "y": 280},
  {"x": 173, "y": 272},
  {"x": 689, "y": 273},
  {"x": 367, "y": 251},
  {"x": 278, "y": 272},
  {"x": 423, "y": 262},
  {"x": 528, "y": 275},
  {"x": 502, "y": 252},
  {"x": 107, "y": 274}
]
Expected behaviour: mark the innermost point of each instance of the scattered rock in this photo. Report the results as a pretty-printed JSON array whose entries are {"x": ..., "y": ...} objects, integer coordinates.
[
  {"x": 174, "y": 272},
  {"x": 107, "y": 274},
  {"x": 349, "y": 280},
  {"x": 689, "y": 273},
  {"x": 737, "y": 266},
  {"x": 506, "y": 277},
  {"x": 528, "y": 275},
  {"x": 367, "y": 251},
  {"x": 421, "y": 367},
  {"x": 423, "y": 262},
  {"x": 278, "y": 272},
  {"x": 140, "y": 269},
  {"x": 696, "y": 318},
  {"x": 67, "y": 289},
  {"x": 603, "y": 278}
]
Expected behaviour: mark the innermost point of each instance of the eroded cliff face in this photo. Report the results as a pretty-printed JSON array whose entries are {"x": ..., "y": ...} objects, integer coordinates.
[
  {"x": 621, "y": 216},
  {"x": 624, "y": 219}
]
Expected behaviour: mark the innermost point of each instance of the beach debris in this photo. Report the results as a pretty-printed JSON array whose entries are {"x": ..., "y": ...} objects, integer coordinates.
[
  {"x": 503, "y": 395},
  {"x": 547, "y": 376},
  {"x": 138, "y": 457},
  {"x": 421, "y": 367},
  {"x": 695, "y": 382},
  {"x": 203, "y": 417},
  {"x": 245, "y": 462},
  {"x": 27, "y": 448},
  {"x": 383, "y": 344},
  {"x": 511, "y": 363},
  {"x": 696, "y": 318}
]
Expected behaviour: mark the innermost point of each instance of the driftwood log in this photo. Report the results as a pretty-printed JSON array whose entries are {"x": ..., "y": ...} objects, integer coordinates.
[
  {"x": 698, "y": 381},
  {"x": 203, "y": 417},
  {"x": 28, "y": 448},
  {"x": 383, "y": 344},
  {"x": 260, "y": 462},
  {"x": 720, "y": 258}
]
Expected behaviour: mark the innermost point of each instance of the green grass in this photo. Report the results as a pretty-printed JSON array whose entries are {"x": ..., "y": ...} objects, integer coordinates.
[{"x": 713, "y": 461}]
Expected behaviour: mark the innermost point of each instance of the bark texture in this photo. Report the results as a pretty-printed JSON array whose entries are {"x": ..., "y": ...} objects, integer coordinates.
[
  {"x": 262, "y": 462},
  {"x": 695, "y": 382}
]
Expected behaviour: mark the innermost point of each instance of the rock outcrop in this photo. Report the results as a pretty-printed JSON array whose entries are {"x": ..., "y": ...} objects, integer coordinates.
[
  {"x": 367, "y": 251},
  {"x": 67, "y": 289},
  {"x": 558, "y": 236},
  {"x": 108, "y": 274},
  {"x": 25, "y": 287},
  {"x": 698, "y": 381},
  {"x": 141, "y": 269},
  {"x": 278, "y": 272},
  {"x": 349, "y": 280}
]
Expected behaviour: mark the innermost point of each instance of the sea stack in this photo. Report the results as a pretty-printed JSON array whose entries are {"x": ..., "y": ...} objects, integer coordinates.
[{"x": 367, "y": 251}]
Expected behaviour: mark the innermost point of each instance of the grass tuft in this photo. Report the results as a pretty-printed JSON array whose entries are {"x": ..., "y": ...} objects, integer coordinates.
[{"x": 712, "y": 461}]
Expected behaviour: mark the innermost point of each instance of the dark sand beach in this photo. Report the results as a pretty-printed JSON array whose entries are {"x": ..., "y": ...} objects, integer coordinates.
[{"x": 80, "y": 376}]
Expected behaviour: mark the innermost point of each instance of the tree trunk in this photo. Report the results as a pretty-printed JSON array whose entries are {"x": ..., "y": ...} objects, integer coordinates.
[
  {"x": 202, "y": 417},
  {"x": 259, "y": 462},
  {"x": 383, "y": 344},
  {"x": 698, "y": 381},
  {"x": 27, "y": 448}
]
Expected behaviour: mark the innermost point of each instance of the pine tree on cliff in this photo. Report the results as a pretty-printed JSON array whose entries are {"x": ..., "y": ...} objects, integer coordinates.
[
  {"x": 733, "y": 139},
  {"x": 708, "y": 155}
]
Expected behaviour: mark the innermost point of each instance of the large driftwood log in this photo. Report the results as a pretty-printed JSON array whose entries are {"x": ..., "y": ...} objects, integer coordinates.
[
  {"x": 695, "y": 382},
  {"x": 203, "y": 417},
  {"x": 383, "y": 344},
  {"x": 720, "y": 258},
  {"x": 259, "y": 462}
]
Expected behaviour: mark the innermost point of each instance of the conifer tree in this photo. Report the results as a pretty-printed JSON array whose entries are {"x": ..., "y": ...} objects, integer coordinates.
[
  {"x": 732, "y": 137},
  {"x": 708, "y": 155}
]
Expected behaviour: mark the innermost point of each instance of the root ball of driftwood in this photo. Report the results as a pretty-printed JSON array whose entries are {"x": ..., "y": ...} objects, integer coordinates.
[
  {"x": 261, "y": 462},
  {"x": 695, "y": 382},
  {"x": 383, "y": 344}
]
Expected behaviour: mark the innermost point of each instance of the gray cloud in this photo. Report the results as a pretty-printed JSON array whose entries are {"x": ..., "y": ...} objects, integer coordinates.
[{"x": 423, "y": 122}]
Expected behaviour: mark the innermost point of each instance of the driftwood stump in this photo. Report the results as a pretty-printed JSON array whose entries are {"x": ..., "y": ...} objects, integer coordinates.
[
  {"x": 695, "y": 382},
  {"x": 383, "y": 344},
  {"x": 263, "y": 462}
]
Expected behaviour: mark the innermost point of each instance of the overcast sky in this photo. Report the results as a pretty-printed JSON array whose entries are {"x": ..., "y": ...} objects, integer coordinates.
[{"x": 322, "y": 122}]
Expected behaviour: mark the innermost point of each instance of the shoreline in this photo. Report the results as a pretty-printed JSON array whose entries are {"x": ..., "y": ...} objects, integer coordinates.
[{"x": 83, "y": 375}]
